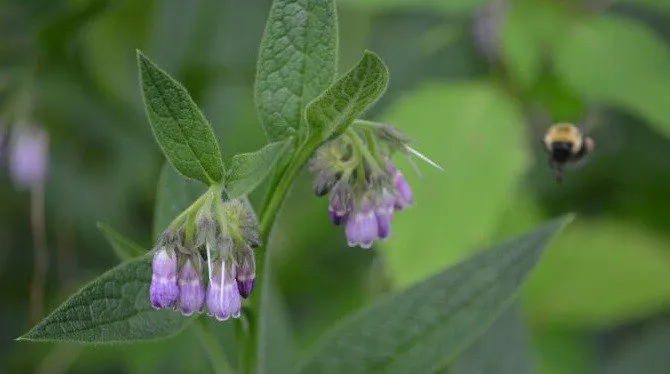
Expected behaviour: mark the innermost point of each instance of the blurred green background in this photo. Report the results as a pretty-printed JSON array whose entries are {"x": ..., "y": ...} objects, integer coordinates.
[{"x": 468, "y": 79}]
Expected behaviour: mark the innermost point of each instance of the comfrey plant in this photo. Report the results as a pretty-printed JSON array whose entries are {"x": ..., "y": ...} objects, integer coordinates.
[{"x": 211, "y": 249}]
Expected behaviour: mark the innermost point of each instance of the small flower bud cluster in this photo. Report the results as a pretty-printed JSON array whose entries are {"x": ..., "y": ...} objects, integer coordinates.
[
  {"x": 218, "y": 242},
  {"x": 365, "y": 188}
]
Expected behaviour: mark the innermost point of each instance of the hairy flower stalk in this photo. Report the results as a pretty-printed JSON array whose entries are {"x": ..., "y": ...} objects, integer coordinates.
[
  {"x": 206, "y": 260},
  {"x": 364, "y": 186}
]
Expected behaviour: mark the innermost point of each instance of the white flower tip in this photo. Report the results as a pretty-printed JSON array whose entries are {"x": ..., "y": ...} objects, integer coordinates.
[{"x": 424, "y": 158}]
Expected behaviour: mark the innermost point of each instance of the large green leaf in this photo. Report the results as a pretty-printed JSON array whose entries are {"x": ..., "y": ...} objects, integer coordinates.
[
  {"x": 175, "y": 193},
  {"x": 504, "y": 348},
  {"x": 600, "y": 274},
  {"x": 125, "y": 248},
  {"x": 113, "y": 308},
  {"x": 183, "y": 133},
  {"x": 460, "y": 6},
  {"x": 475, "y": 130},
  {"x": 422, "y": 328},
  {"x": 248, "y": 170},
  {"x": 645, "y": 352},
  {"x": 333, "y": 111},
  {"x": 617, "y": 61},
  {"x": 297, "y": 61}
]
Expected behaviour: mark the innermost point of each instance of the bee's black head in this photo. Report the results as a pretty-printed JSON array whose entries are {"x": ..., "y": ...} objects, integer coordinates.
[{"x": 561, "y": 151}]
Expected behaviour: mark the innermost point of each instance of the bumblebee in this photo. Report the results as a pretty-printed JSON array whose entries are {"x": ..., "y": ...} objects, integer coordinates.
[{"x": 566, "y": 144}]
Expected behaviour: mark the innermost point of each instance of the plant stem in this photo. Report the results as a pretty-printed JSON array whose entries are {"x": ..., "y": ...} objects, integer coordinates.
[
  {"x": 213, "y": 348},
  {"x": 194, "y": 207},
  {"x": 276, "y": 196}
]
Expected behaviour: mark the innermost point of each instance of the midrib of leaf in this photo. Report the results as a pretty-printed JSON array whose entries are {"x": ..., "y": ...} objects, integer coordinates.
[
  {"x": 303, "y": 67},
  {"x": 181, "y": 131}
]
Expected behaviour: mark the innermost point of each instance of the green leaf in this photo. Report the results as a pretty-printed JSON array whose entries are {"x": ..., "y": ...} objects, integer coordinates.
[
  {"x": 466, "y": 127},
  {"x": 333, "y": 111},
  {"x": 504, "y": 348},
  {"x": 422, "y": 328},
  {"x": 618, "y": 271},
  {"x": 530, "y": 31},
  {"x": 248, "y": 170},
  {"x": 175, "y": 193},
  {"x": 113, "y": 308},
  {"x": 452, "y": 6},
  {"x": 566, "y": 351},
  {"x": 125, "y": 248},
  {"x": 645, "y": 352},
  {"x": 183, "y": 133},
  {"x": 297, "y": 61},
  {"x": 617, "y": 61}
]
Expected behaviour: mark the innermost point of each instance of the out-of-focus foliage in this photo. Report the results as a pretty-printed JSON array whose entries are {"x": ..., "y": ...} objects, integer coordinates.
[{"x": 598, "y": 303}]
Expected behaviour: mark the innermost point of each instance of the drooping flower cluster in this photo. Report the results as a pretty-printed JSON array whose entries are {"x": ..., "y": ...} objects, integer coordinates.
[
  {"x": 218, "y": 242},
  {"x": 364, "y": 185}
]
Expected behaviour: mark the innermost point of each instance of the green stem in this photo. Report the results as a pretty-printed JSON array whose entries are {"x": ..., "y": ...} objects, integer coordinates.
[
  {"x": 276, "y": 196},
  {"x": 194, "y": 207},
  {"x": 363, "y": 150},
  {"x": 212, "y": 346}
]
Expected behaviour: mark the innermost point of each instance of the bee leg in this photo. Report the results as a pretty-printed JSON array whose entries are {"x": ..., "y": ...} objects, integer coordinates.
[{"x": 559, "y": 174}]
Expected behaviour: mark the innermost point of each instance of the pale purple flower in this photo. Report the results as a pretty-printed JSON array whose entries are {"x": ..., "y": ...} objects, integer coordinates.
[
  {"x": 384, "y": 214},
  {"x": 362, "y": 228},
  {"x": 403, "y": 192},
  {"x": 191, "y": 289},
  {"x": 29, "y": 156},
  {"x": 223, "y": 296},
  {"x": 164, "y": 290}
]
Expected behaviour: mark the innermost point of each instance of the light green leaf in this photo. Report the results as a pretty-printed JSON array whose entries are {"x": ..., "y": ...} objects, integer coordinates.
[
  {"x": 475, "y": 130},
  {"x": 175, "y": 193},
  {"x": 297, "y": 61},
  {"x": 333, "y": 111},
  {"x": 183, "y": 133},
  {"x": 248, "y": 170},
  {"x": 601, "y": 274},
  {"x": 504, "y": 348},
  {"x": 452, "y": 6},
  {"x": 529, "y": 33},
  {"x": 113, "y": 308},
  {"x": 422, "y": 328},
  {"x": 565, "y": 351},
  {"x": 617, "y": 61},
  {"x": 125, "y": 248}
]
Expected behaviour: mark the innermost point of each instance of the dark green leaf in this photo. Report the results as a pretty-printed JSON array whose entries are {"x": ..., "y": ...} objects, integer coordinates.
[
  {"x": 334, "y": 110},
  {"x": 646, "y": 351},
  {"x": 125, "y": 248},
  {"x": 617, "y": 61},
  {"x": 183, "y": 133},
  {"x": 504, "y": 348},
  {"x": 297, "y": 61},
  {"x": 113, "y": 308},
  {"x": 424, "y": 327},
  {"x": 175, "y": 193},
  {"x": 248, "y": 170}
]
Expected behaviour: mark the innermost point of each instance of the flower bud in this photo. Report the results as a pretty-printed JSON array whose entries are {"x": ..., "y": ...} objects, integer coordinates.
[
  {"x": 191, "y": 289},
  {"x": 164, "y": 290},
  {"x": 362, "y": 229},
  {"x": 384, "y": 214},
  {"x": 223, "y": 296},
  {"x": 246, "y": 272},
  {"x": 29, "y": 158},
  {"x": 403, "y": 192}
]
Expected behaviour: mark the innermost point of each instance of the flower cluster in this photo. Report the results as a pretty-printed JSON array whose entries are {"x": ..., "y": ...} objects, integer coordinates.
[
  {"x": 217, "y": 240},
  {"x": 364, "y": 186}
]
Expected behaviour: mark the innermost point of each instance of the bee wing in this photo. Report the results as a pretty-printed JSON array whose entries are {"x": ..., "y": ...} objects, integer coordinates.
[
  {"x": 539, "y": 120},
  {"x": 592, "y": 119}
]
